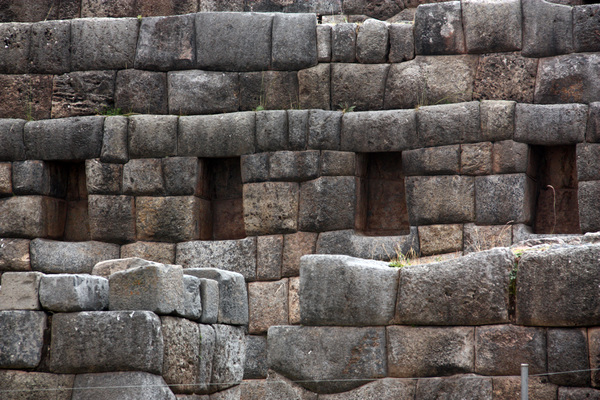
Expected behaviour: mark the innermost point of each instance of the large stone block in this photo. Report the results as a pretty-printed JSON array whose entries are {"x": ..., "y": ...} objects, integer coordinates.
[
  {"x": 50, "y": 47},
  {"x": 130, "y": 340},
  {"x": 343, "y": 42},
  {"x": 295, "y": 246},
  {"x": 449, "y": 124},
  {"x": 279, "y": 387},
  {"x": 121, "y": 385},
  {"x": 6, "y": 187},
  {"x": 294, "y": 165},
  {"x": 585, "y": 25},
  {"x": 26, "y": 96},
  {"x": 54, "y": 257},
  {"x": 102, "y": 43},
  {"x": 233, "y": 296},
  {"x": 568, "y": 351},
  {"x": 510, "y": 157},
  {"x": 14, "y": 55},
  {"x": 191, "y": 306},
  {"x": 170, "y": 7},
  {"x": 166, "y": 43},
  {"x": 442, "y": 160},
  {"x": 14, "y": 255},
  {"x": 476, "y": 159},
  {"x": 73, "y": 293},
  {"x": 183, "y": 175},
  {"x": 224, "y": 135},
  {"x": 269, "y": 257},
  {"x": 492, "y": 26},
  {"x": 502, "y": 348},
  {"x": 21, "y": 385},
  {"x": 143, "y": 92},
  {"x": 507, "y": 76},
  {"x": 550, "y": 125},
  {"x": 323, "y": 43},
  {"x": 112, "y": 8},
  {"x": 112, "y": 218},
  {"x": 103, "y": 178},
  {"x": 171, "y": 218},
  {"x": 439, "y": 29},
  {"x": 509, "y": 387},
  {"x": 381, "y": 389},
  {"x": 402, "y": 42},
  {"x": 143, "y": 176},
  {"x": 484, "y": 237},
  {"x": 77, "y": 138},
  {"x": 108, "y": 267},
  {"x": 32, "y": 217},
  {"x": 229, "y": 356},
  {"x": 294, "y": 41},
  {"x": 377, "y": 131},
  {"x": 455, "y": 387},
  {"x": 372, "y": 42},
  {"x": 152, "y": 136},
  {"x": 269, "y": 90},
  {"x": 572, "y": 393},
  {"x": 314, "y": 87},
  {"x": 20, "y": 291},
  {"x": 547, "y": 28},
  {"x": 380, "y": 9},
  {"x": 360, "y": 356},
  {"x": 11, "y": 133},
  {"x": 327, "y": 204},
  {"x": 439, "y": 239},
  {"x": 542, "y": 276},
  {"x": 358, "y": 85},
  {"x": 21, "y": 338},
  {"x": 163, "y": 253},
  {"x": 478, "y": 295},
  {"x": 271, "y": 207},
  {"x": 114, "y": 142},
  {"x": 338, "y": 163},
  {"x": 588, "y": 155},
  {"x": 324, "y": 130},
  {"x": 256, "y": 357},
  {"x": 271, "y": 130},
  {"x": 298, "y": 129},
  {"x": 267, "y": 305},
  {"x": 589, "y": 214},
  {"x": 294, "y": 300},
  {"x": 344, "y": 291},
  {"x": 181, "y": 361},
  {"x": 505, "y": 198},
  {"x": 203, "y": 92},
  {"x": 440, "y": 199},
  {"x": 430, "y": 351},
  {"x": 244, "y": 41},
  {"x": 39, "y": 177},
  {"x": 497, "y": 119}
]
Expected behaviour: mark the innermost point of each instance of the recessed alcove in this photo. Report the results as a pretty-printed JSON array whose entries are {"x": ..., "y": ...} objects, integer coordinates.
[{"x": 381, "y": 201}]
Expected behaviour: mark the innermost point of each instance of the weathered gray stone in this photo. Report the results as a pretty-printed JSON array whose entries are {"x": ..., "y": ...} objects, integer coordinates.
[
  {"x": 159, "y": 8},
  {"x": 492, "y": 26},
  {"x": 143, "y": 92},
  {"x": 294, "y": 165},
  {"x": 542, "y": 276},
  {"x": 102, "y": 43},
  {"x": 588, "y": 155},
  {"x": 229, "y": 356},
  {"x": 112, "y": 8},
  {"x": 439, "y": 29},
  {"x": 256, "y": 357},
  {"x": 268, "y": 90},
  {"x": 497, "y": 119},
  {"x": 449, "y": 124},
  {"x": 152, "y": 136},
  {"x": 114, "y": 144},
  {"x": 123, "y": 385},
  {"x": 271, "y": 130},
  {"x": 203, "y": 92},
  {"x": 77, "y": 347},
  {"x": 323, "y": 43},
  {"x": 233, "y": 393},
  {"x": 53, "y": 257},
  {"x": 103, "y": 178},
  {"x": 440, "y": 199},
  {"x": 271, "y": 207},
  {"x": 21, "y": 338},
  {"x": 279, "y": 387},
  {"x": 585, "y": 25},
  {"x": 358, "y": 85},
  {"x": 11, "y": 133},
  {"x": 233, "y": 296},
  {"x": 359, "y": 356},
  {"x": 14, "y": 255},
  {"x": 484, "y": 237},
  {"x": 441, "y": 160},
  {"x": 343, "y": 42},
  {"x": 14, "y": 55},
  {"x": 372, "y": 42},
  {"x": 269, "y": 257},
  {"x": 298, "y": 129},
  {"x": 344, "y": 291},
  {"x": 474, "y": 289},
  {"x": 163, "y": 253},
  {"x": 20, "y": 291},
  {"x": 476, "y": 159},
  {"x": 593, "y": 125},
  {"x": 26, "y": 96},
  {"x": 255, "y": 167},
  {"x": 112, "y": 218},
  {"x": 455, "y": 388},
  {"x": 502, "y": 348},
  {"x": 568, "y": 351},
  {"x": 589, "y": 214},
  {"x": 77, "y": 138},
  {"x": 547, "y": 28},
  {"x": 6, "y": 179},
  {"x": 153, "y": 287},
  {"x": 550, "y": 125},
  {"x": 324, "y": 130},
  {"x": 440, "y": 239},
  {"x": 267, "y": 305},
  {"x": 505, "y": 76},
  {"x": 21, "y": 385},
  {"x": 181, "y": 361},
  {"x": 572, "y": 393},
  {"x": 39, "y": 177},
  {"x": 170, "y": 218},
  {"x": 327, "y": 204},
  {"x": 402, "y": 42},
  {"x": 294, "y": 300},
  {"x": 314, "y": 87},
  {"x": 143, "y": 177},
  {"x": 191, "y": 307},
  {"x": 244, "y": 41},
  {"x": 381, "y": 389},
  {"x": 510, "y": 157},
  {"x": 509, "y": 387},
  {"x": 500, "y": 199},
  {"x": 568, "y": 79},
  {"x": 50, "y": 47},
  {"x": 207, "y": 350},
  {"x": 204, "y": 136},
  {"x": 294, "y": 41},
  {"x": 182, "y": 175},
  {"x": 430, "y": 351},
  {"x": 294, "y": 247},
  {"x": 338, "y": 163},
  {"x": 380, "y": 9},
  {"x": 166, "y": 43},
  {"x": 377, "y": 131},
  {"x": 72, "y": 293},
  {"x": 109, "y": 267},
  {"x": 32, "y": 217}
]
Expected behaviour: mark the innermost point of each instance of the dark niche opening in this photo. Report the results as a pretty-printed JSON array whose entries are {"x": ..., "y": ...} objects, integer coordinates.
[
  {"x": 554, "y": 169},
  {"x": 381, "y": 208}
]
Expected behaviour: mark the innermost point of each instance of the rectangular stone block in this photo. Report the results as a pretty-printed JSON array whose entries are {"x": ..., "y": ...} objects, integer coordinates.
[
  {"x": 358, "y": 86},
  {"x": 271, "y": 207},
  {"x": 126, "y": 385},
  {"x": 384, "y": 389},
  {"x": 503, "y": 198},
  {"x": 589, "y": 214},
  {"x": 505, "y": 76},
  {"x": 324, "y": 130},
  {"x": 50, "y": 47},
  {"x": 256, "y": 366},
  {"x": 323, "y": 43},
  {"x": 143, "y": 176},
  {"x": 43, "y": 386},
  {"x": 343, "y": 42},
  {"x": 402, "y": 42},
  {"x": 181, "y": 360},
  {"x": 267, "y": 305},
  {"x": 14, "y": 55},
  {"x": 163, "y": 253},
  {"x": 229, "y": 357},
  {"x": 14, "y": 255},
  {"x": 108, "y": 267},
  {"x": 372, "y": 42},
  {"x": 509, "y": 387},
  {"x": 268, "y": 90},
  {"x": 209, "y": 295},
  {"x": 297, "y": 129},
  {"x": 32, "y": 217},
  {"x": 497, "y": 119},
  {"x": 385, "y": 131},
  {"x": 203, "y": 92},
  {"x": 114, "y": 8},
  {"x": 455, "y": 387},
  {"x": 130, "y": 340},
  {"x": 449, "y": 124},
  {"x": 183, "y": 175},
  {"x": 568, "y": 351},
  {"x": 103, "y": 178},
  {"x": 547, "y": 28},
  {"x": 439, "y": 239},
  {"x": 114, "y": 142},
  {"x": 484, "y": 237},
  {"x": 509, "y": 157},
  {"x": 442, "y": 160},
  {"x": 20, "y": 291},
  {"x": 21, "y": 338},
  {"x": 492, "y": 26},
  {"x": 550, "y": 125},
  {"x": 594, "y": 350},
  {"x": 294, "y": 41},
  {"x": 271, "y": 130},
  {"x": 327, "y": 203},
  {"x": 314, "y": 88},
  {"x": 269, "y": 256},
  {"x": 585, "y": 26},
  {"x": 439, "y": 29},
  {"x": 567, "y": 393},
  {"x": 26, "y": 96},
  {"x": 169, "y": 7},
  {"x": 294, "y": 300},
  {"x": 54, "y": 257},
  {"x": 38, "y": 177},
  {"x": 476, "y": 159},
  {"x": 144, "y": 92},
  {"x": 152, "y": 136},
  {"x": 112, "y": 218},
  {"x": 73, "y": 293},
  {"x": 6, "y": 187},
  {"x": 294, "y": 165},
  {"x": 170, "y": 218},
  {"x": 11, "y": 133},
  {"x": 338, "y": 163},
  {"x": 295, "y": 246},
  {"x": 191, "y": 306}
]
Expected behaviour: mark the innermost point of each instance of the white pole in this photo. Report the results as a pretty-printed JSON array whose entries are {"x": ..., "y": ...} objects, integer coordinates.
[{"x": 524, "y": 381}]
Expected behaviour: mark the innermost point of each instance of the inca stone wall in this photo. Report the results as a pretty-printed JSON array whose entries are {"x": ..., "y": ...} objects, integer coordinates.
[{"x": 243, "y": 141}]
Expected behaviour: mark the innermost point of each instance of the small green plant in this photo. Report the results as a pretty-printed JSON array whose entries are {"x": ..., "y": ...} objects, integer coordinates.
[
  {"x": 345, "y": 107},
  {"x": 263, "y": 96},
  {"x": 139, "y": 17},
  {"x": 110, "y": 111},
  {"x": 403, "y": 259}
]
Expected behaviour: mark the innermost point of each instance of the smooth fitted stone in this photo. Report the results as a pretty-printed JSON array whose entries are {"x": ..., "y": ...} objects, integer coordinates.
[
  {"x": 568, "y": 351},
  {"x": 550, "y": 125},
  {"x": 182, "y": 175},
  {"x": 163, "y": 253},
  {"x": 323, "y": 43},
  {"x": 76, "y": 138},
  {"x": 77, "y": 347},
  {"x": 381, "y": 389},
  {"x": 102, "y": 43},
  {"x": 73, "y": 293},
  {"x": 497, "y": 119},
  {"x": 502, "y": 348},
  {"x": 15, "y": 52},
  {"x": 36, "y": 385},
  {"x": 372, "y": 42},
  {"x": 143, "y": 176},
  {"x": 269, "y": 90},
  {"x": 359, "y": 356},
  {"x": 327, "y": 204},
  {"x": 54, "y": 257},
  {"x": 114, "y": 143},
  {"x": 448, "y": 124},
  {"x": 203, "y": 92},
  {"x": 20, "y": 291},
  {"x": 476, "y": 159},
  {"x": 181, "y": 360},
  {"x": 267, "y": 305},
  {"x": 585, "y": 24},
  {"x": 572, "y": 393},
  {"x": 314, "y": 87},
  {"x": 378, "y": 131},
  {"x": 112, "y": 218},
  {"x": 256, "y": 357},
  {"x": 439, "y": 239},
  {"x": 271, "y": 130},
  {"x": 279, "y": 387},
  {"x": 492, "y": 26},
  {"x": 343, "y": 42},
  {"x": 169, "y": 219},
  {"x": 103, "y": 178},
  {"x": 474, "y": 289},
  {"x": 547, "y": 28},
  {"x": 338, "y": 163},
  {"x": 157, "y": 288},
  {"x": 589, "y": 214},
  {"x": 191, "y": 307},
  {"x": 11, "y": 134},
  {"x": 455, "y": 388},
  {"x": 106, "y": 268},
  {"x": 296, "y": 245},
  {"x": 209, "y": 296},
  {"x": 443, "y": 160},
  {"x": 503, "y": 198},
  {"x": 229, "y": 357},
  {"x": 346, "y": 291},
  {"x": 430, "y": 351},
  {"x": 26, "y": 96},
  {"x": 439, "y": 29},
  {"x": 166, "y": 43},
  {"x": 269, "y": 257},
  {"x": 39, "y": 177},
  {"x": 255, "y": 167},
  {"x": 568, "y": 79},
  {"x": 271, "y": 207},
  {"x": 21, "y": 338},
  {"x": 440, "y": 199},
  {"x": 358, "y": 85},
  {"x": 298, "y": 129},
  {"x": 588, "y": 155},
  {"x": 542, "y": 276},
  {"x": 152, "y": 136},
  {"x": 143, "y": 92},
  {"x": 14, "y": 255},
  {"x": 294, "y": 165},
  {"x": 244, "y": 40},
  {"x": 224, "y": 135},
  {"x": 324, "y": 130},
  {"x": 294, "y": 41},
  {"x": 509, "y": 387},
  {"x": 484, "y": 237},
  {"x": 510, "y": 157},
  {"x": 122, "y": 385},
  {"x": 113, "y": 8},
  {"x": 50, "y": 47},
  {"x": 402, "y": 42},
  {"x": 32, "y": 217},
  {"x": 233, "y": 296}
]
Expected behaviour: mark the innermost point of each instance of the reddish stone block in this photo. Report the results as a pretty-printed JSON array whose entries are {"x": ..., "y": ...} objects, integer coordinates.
[{"x": 25, "y": 96}]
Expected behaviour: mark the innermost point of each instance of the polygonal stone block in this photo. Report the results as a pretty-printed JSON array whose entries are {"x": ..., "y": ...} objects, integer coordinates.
[
  {"x": 327, "y": 204},
  {"x": 39, "y": 177},
  {"x": 269, "y": 255},
  {"x": 510, "y": 157},
  {"x": 358, "y": 85},
  {"x": 171, "y": 218},
  {"x": 143, "y": 176},
  {"x": 152, "y": 136},
  {"x": 203, "y": 92},
  {"x": 271, "y": 207},
  {"x": 20, "y": 291},
  {"x": 26, "y": 96},
  {"x": 323, "y": 43},
  {"x": 492, "y": 26},
  {"x": 256, "y": 366},
  {"x": 297, "y": 129},
  {"x": 497, "y": 119},
  {"x": 191, "y": 307},
  {"x": 11, "y": 133},
  {"x": 338, "y": 163},
  {"x": 455, "y": 387},
  {"x": 163, "y": 253},
  {"x": 271, "y": 130},
  {"x": 402, "y": 42},
  {"x": 108, "y": 267},
  {"x": 568, "y": 351},
  {"x": 294, "y": 41},
  {"x": 439, "y": 239},
  {"x": 324, "y": 130},
  {"x": 377, "y": 131},
  {"x": 589, "y": 214},
  {"x": 143, "y": 92},
  {"x": 314, "y": 88},
  {"x": 476, "y": 159},
  {"x": 44, "y": 386},
  {"x": 294, "y": 165},
  {"x": 72, "y": 293},
  {"x": 295, "y": 246},
  {"x": 505, "y": 76},
  {"x": 547, "y": 28},
  {"x": 585, "y": 24},
  {"x": 484, "y": 237},
  {"x": 269, "y": 90},
  {"x": 14, "y": 255},
  {"x": 568, "y": 393},
  {"x": 54, "y": 257},
  {"x": 449, "y": 124},
  {"x": 508, "y": 387},
  {"x": 21, "y": 338},
  {"x": 372, "y": 41},
  {"x": 267, "y": 305},
  {"x": 442, "y": 160},
  {"x": 439, "y": 29},
  {"x": 343, "y": 42},
  {"x": 103, "y": 178},
  {"x": 503, "y": 198},
  {"x": 14, "y": 55},
  {"x": 114, "y": 8},
  {"x": 50, "y": 47}
]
